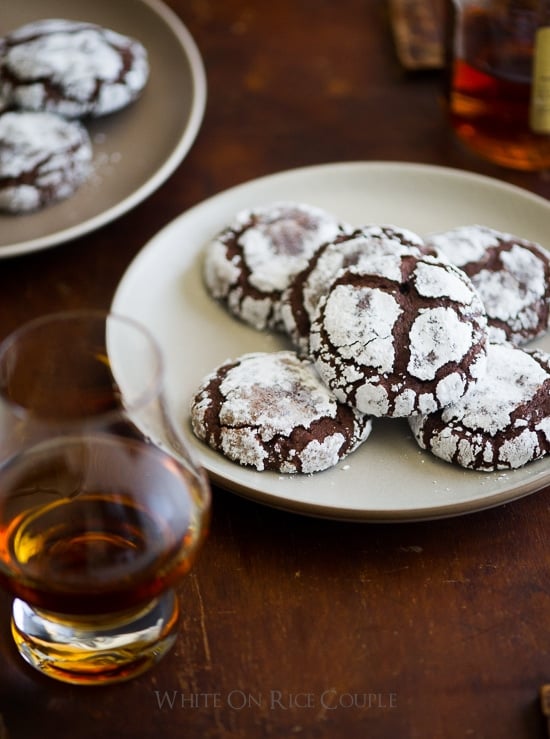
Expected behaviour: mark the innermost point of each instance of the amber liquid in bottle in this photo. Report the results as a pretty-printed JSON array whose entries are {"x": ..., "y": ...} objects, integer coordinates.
[{"x": 491, "y": 86}]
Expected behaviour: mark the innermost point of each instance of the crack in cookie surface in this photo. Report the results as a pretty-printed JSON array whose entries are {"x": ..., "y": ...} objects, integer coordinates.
[
  {"x": 391, "y": 351},
  {"x": 502, "y": 423},
  {"x": 272, "y": 412}
]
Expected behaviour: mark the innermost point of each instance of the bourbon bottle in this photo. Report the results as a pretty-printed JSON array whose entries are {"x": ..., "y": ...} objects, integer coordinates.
[{"x": 499, "y": 93}]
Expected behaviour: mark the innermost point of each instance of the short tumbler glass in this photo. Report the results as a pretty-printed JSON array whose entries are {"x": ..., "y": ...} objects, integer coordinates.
[{"x": 102, "y": 507}]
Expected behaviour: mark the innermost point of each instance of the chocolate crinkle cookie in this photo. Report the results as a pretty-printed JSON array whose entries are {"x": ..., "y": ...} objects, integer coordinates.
[
  {"x": 408, "y": 338},
  {"x": 372, "y": 246},
  {"x": 43, "y": 158},
  {"x": 270, "y": 411},
  {"x": 253, "y": 260},
  {"x": 502, "y": 423},
  {"x": 511, "y": 275},
  {"x": 72, "y": 68}
]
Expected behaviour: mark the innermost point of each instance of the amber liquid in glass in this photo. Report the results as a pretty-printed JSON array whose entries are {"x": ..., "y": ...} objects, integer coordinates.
[
  {"x": 491, "y": 88},
  {"x": 95, "y": 525}
]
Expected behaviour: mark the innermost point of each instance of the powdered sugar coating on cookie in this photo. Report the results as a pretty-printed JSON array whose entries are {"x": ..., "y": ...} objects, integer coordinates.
[
  {"x": 43, "y": 158},
  {"x": 251, "y": 262},
  {"x": 502, "y": 423},
  {"x": 511, "y": 275},
  {"x": 71, "y": 68},
  {"x": 400, "y": 344},
  {"x": 272, "y": 412},
  {"x": 376, "y": 247}
]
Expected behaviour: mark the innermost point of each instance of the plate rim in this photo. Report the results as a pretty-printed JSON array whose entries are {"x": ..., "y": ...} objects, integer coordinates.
[
  {"x": 360, "y": 515},
  {"x": 162, "y": 173},
  {"x": 536, "y": 482}
]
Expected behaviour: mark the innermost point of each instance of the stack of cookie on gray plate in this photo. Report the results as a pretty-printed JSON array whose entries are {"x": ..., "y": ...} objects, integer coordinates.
[
  {"x": 53, "y": 74},
  {"x": 382, "y": 324}
]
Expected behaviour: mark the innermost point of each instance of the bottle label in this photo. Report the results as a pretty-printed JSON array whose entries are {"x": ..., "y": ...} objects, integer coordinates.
[{"x": 540, "y": 95}]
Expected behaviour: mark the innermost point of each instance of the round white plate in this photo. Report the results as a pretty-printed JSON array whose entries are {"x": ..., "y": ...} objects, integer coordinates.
[
  {"x": 136, "y": 149},
  {"x": 389, "y": 478}
]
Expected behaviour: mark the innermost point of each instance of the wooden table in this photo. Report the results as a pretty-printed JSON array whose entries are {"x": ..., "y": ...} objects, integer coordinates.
[{"x": 295, "y": 626}]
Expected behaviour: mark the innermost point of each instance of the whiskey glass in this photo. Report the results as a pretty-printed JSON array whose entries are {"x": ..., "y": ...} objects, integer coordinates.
[{"x": 102, "y": 506}]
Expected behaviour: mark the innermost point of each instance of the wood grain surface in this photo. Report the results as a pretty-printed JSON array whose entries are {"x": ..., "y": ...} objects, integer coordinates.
[{"x": 294, "y": 626}]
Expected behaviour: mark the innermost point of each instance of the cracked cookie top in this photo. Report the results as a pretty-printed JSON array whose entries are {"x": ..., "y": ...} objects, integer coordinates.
[
  {"x": 408, "y": 339},
  {"x": 511, "y": 275},
  {"x": 43, "y": 158},
  {"x": 373, "y": 246},
  {"x": 72, "y": 68},
  {"x": 252, "y": 261},
  {"x": 502, "y": 423},
  {"x": 272, "y": 412}
]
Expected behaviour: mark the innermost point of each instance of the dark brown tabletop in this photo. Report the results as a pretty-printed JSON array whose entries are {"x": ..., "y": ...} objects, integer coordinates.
[{"x": 293, "y": 625}]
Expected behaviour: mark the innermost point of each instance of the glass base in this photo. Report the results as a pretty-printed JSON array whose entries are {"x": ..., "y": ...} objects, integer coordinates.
[
  {"x": 527, "y": 155},
  {"x": 96, "y": 650}
]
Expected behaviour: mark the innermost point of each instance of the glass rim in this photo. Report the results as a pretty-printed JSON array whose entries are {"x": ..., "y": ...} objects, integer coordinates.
[{"x": 151, "y": 389}]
